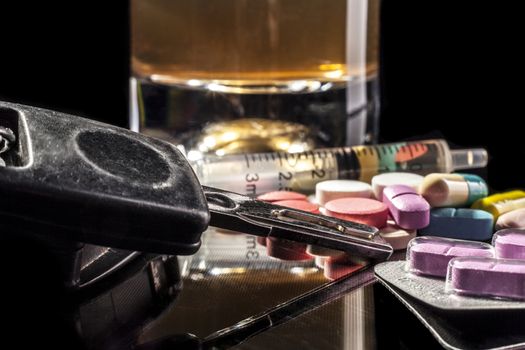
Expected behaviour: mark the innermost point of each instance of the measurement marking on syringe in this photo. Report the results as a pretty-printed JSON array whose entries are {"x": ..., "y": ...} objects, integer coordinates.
[
  {"x": 378, "y": 153},
  {"x": 247, "y": 160},
  {"x": 280, "y": 159}
]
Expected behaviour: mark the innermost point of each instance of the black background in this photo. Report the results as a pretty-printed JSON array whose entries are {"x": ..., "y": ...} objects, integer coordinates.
[{"x": 450, "y": 68}]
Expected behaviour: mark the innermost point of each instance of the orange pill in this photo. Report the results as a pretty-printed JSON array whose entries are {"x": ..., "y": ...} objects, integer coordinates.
[
  {"x": 281, "y": 196},
  {"x": 362, "y": 210}
]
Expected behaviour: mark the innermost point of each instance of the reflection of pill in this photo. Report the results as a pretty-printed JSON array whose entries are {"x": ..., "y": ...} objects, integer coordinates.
[
  {"x": 396, "y": 236},
  {"x": 509, "y": 244},
  {"x": 430, "y": 255},
  {"x": 407, "y": 207},
  {"x": 320, "y": 261},
  {"x": 299, "y": 205},
  {"x": 379, "y": 182},
  {"x": 362, "y": 210},
  {"x": 337, "y": 267},
  {"x": 316, "y": 251},
  {"x": 453, "y": 190},
  {"x": 460, "y": 223},
  {"x": 281, "y": 196},
  {"x": 501, "y": 203},
  {"x": 261, "y": 240},
  {"x": 487, "y": 277},
  {"x": 326, "y": 191},
  {"x": 512, "y": 219},
  {"x": 286, "y": 250}
]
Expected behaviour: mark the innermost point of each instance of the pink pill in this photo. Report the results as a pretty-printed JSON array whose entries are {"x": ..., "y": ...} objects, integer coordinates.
[
  {"x": 286, "y": 250},
  {"x": 261, "y": 240},
  {"x": 430, "y": 256},
  {"x": 281, "y": 196},
  {"x": 299, "y": 205},
  {"x": 487, "y": 277},
  {"x": 362, "y": 210},
  {"x": 337, "y": 267}
]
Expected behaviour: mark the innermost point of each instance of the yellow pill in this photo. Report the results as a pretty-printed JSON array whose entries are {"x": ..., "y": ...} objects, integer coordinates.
[{"x": 501, "y": 203}]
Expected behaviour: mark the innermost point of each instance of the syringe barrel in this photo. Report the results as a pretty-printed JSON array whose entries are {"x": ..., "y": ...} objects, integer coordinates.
[{"x": 258, "y": 173}]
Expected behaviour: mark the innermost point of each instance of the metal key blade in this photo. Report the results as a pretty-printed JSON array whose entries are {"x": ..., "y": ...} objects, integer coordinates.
[{"x": 241, "y": 213}]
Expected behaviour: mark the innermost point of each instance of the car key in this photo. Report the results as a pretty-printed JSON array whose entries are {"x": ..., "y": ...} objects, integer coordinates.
[{"x": 72, "y": 178}]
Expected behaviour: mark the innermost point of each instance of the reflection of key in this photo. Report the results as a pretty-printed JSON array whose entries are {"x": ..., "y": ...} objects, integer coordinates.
[{"x": 72, "y": 178}]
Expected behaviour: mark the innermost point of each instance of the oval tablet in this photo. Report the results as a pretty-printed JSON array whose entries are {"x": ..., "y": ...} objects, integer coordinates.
[
  {"x": 430, "y": 256},
  {"x": 326, "y": 191},
  {"x": 509, "y": 244},
  {"x": 379, "y": 182},
  {"x": 470, "y": 224},
  {"x": 407, "y": 207},
  {"x": 362, "y": 210},
  {"x": 512, "y": 219},
  {"x": 501, "y": 203},
  {"x": 281, "y": 196},
  {"x": 486, "y": 277}
]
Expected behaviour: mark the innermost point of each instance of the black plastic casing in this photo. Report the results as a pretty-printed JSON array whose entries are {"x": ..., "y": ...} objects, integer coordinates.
[{"x": 70, "y": 178}]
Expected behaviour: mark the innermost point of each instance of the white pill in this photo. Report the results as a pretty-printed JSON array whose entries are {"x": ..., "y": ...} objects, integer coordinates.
[
  {"x": 379, "y": 182},
  {"x": 396, "y": 236},
  {"x": 333, "y": 189}
]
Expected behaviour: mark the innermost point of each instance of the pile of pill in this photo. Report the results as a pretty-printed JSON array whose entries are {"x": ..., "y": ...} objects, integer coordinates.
[{"x": 452, "y": 213}]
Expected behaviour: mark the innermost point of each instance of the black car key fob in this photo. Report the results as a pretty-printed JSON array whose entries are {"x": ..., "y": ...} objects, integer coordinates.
[
  {"x": 69, "y": 178},
  {"x": 73, "y": 178}
]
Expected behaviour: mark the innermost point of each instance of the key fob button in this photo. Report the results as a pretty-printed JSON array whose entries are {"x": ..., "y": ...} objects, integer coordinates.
[{"x": 122, "y": 157}]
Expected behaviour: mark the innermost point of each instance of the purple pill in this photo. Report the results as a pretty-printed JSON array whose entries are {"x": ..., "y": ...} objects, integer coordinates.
[
  {"x": 430, "y": 256},
  {"x": 408, "y": 209},
  {"x": 486, "y": 277},
  {"x": 509, "y": 244}
]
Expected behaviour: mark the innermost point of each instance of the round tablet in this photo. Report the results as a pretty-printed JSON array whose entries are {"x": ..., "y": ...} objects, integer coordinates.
[
  {"x": 299, "y": 205},
  {"x": 396, "y": 236},
  {"x": 379, "y": 182},
  {"x": 281, "y": 196},
  {"x": 286, "y": 250},
  {"x": 362, "y": 210},
  {"x": 326, "y": 191},
  {"x": 335, "y": 268}
]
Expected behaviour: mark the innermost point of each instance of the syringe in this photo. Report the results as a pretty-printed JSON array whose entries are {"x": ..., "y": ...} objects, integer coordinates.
[{"x": 257, "y": 173}]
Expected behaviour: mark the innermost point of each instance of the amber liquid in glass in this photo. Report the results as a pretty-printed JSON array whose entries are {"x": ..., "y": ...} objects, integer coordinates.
[{"x": 199, "y": 61}]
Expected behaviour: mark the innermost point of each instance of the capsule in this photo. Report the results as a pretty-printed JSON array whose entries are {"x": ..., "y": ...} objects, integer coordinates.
[{"x": 453, "y": 190}]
